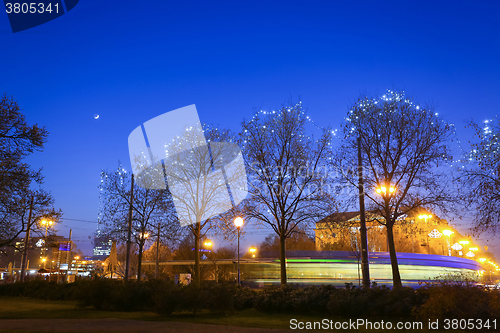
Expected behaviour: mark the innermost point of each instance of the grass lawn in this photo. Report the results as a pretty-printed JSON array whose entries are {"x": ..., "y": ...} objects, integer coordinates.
[{"x": 27, "y": 308}]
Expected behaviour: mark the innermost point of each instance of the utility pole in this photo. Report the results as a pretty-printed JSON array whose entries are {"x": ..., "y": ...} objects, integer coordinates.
[
  {"x": 26, "y": 242},
  {"x": 68, "y": 260},
  {"x": 129, "y": 235},
  {"x": 239, "y": 282},
  {"x": 362, "y": 219},
  {"x": 157, "y": 272}
]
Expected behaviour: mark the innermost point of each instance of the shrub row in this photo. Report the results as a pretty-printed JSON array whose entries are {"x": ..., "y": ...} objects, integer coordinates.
[
  {"x": 164, "y": 297},
  {"x": 430, "y": 302}
]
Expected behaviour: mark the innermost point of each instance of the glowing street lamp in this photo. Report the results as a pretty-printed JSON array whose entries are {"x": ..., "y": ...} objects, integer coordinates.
[
  {"x": 46, "y": 224},
  {"x": 425, "y": 217},
  {"x": 386, "y": 190},
  {"x": 208, "y": 243},
  {"x": 447, "y": 233},
  {"x": 238, "y": 222},
  {"x": 253, "y": 251}
]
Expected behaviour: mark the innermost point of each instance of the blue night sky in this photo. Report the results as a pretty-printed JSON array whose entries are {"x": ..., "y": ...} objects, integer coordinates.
[{"x": 130, "y": 61}]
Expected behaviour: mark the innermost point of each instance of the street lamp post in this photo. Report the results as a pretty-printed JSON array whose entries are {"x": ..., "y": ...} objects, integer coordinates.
[
  {"x": 448, "y": 233},
  {"x": 386, "y": 193},
  {"x": 46, "y": 224},
  {"x": 425, "y": 217},
  {"x": 208, "y": 245},
  {"x": 238, "y": 222}
]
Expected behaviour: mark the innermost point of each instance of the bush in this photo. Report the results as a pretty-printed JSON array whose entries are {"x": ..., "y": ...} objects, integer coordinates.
[
  {"x": 275, "y": 299},
  {"x": 245, "y": 298},
  {"x": 312, "y": 300},
  {"x": 39, "y": 289},
  {"x": 348, "y": 302},
  {"x": 445, "y": 300},
  {"x": 220, "y": 297},
  {"x": 458, "y": 301},
  {"x": 166, "y": 297},
  {"x": 99, "y": 293}
]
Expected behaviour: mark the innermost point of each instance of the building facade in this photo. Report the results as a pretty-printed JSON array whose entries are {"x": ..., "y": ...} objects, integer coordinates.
[
  {"x": 50, "y": 255},
  {"x": 412, "y": 234}
]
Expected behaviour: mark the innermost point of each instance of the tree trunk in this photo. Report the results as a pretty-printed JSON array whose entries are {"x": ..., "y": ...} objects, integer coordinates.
[
  {"x": 283, "y": 260},
  {"x": 197, "y": 275},
  {"x": 141, "y": 245},
  {"x": 396, "y": 278},
  {"x": 25, "y": 260}
]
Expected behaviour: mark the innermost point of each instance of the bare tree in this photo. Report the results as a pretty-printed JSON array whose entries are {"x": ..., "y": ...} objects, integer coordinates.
[
  {"x": 14, "y": 216},
  {"x": 404, "y": 147},
  {"x": 298, "y": 241},
  {"x": 289, "y": 185},
  {"x": 206, "y": 181},
  {"x": 150, "y": 208},
  {"x": 18, "y": 140}
]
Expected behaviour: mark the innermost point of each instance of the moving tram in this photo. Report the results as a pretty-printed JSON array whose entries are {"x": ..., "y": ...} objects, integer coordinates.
[{"x": 341, "y": 267}]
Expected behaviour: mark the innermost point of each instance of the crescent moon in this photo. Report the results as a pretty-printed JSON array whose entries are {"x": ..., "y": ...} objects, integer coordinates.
[{"x": 96, "y": 116}]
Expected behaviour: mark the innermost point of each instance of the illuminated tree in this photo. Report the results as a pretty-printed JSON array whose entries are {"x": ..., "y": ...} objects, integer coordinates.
[
  {"x": 404, "y": 146},
  {"x": 150, "y": 208},
  {"x": 481, "y": 177},
  {"x": 288, "y": 183},
  {"x": 204, "y": 182}
]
